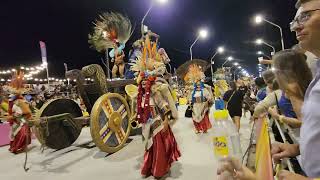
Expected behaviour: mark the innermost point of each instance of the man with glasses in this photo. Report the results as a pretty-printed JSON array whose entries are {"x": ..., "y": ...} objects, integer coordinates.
[{"x": 306, "y": 24}]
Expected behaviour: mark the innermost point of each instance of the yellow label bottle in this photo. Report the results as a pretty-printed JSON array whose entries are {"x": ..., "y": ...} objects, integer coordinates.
[{"x": 220, "y": 146}]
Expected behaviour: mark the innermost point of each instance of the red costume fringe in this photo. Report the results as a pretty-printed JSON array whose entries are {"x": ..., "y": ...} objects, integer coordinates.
[
  {"x": 164, "y": 151},
  {"x": 21, "y": 140},
  {"x": 203, "y": 125}
]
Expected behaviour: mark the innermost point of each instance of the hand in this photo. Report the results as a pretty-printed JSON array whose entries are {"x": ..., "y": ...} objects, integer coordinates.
[
  {"x": 286, "y": 175},
  {"x": 263, "y": 61},
  {"x": 206, "y": 104},
  {"x": 254, "y": 118},
  {"x": 233, "y": 167},
  {"x": 140, "y": 77},
  {"x": 282, "y": 150},
  {"x": 274, "y": 113},
  {"x": 30, "y": 123},
  {"x": 165, "y": 124}
]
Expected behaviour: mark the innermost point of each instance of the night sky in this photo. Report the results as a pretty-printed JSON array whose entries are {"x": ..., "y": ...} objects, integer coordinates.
[{"x": 64, "y": 26}]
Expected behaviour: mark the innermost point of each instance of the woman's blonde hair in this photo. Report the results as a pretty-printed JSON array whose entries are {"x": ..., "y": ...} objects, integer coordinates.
[{"x": 291, "y": 68}]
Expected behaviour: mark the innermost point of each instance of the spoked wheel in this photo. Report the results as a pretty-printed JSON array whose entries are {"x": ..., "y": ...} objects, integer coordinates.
[{"x": 110, "y": 122}]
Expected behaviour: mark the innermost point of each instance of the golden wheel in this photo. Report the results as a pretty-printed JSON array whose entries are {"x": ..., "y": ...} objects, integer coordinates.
[{"x": 110, "y": 122}]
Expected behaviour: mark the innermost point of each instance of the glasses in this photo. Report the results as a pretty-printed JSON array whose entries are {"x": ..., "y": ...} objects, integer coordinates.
[{"x": 301, "y": 19}]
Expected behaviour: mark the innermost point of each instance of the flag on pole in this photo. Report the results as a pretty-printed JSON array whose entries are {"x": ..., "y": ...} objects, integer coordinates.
[
  {"x": 43, "y": 53},
  {"x": 44, "y": 59}
]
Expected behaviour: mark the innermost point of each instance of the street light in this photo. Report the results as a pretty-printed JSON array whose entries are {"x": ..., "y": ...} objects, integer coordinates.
[
  {"x": 259, "y": 19},
  {"x": 203, "y": 33},
  {"x": 230, "y": 58},
  {"x": 162, "y": 1},
  {"x": 235, "y": 65},
  {"x": 260, "y": 41},
  {"x": 219, "y": 50},
  {"x": 145, "y": 16},
  {"x": 263, "y": 54}
]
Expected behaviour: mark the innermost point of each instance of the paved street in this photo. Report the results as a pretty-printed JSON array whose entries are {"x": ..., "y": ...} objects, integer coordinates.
[{"x": 80, "y": 163}]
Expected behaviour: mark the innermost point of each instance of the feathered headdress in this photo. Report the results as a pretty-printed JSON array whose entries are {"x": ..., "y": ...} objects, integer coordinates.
[
  {"x": 150, "y": 59},
  {"x": 194, "y": 74},
  {"x": 110, "y": 28},
  {"x": 17, "y": 82},
  {"x": 220, "y": 74}
]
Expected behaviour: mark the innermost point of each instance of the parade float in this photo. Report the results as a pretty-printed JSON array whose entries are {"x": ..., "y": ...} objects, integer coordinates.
[{"x": 111, "y": 101}]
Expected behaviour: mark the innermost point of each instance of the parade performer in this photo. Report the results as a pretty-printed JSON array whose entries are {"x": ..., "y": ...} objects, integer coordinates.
[
  {"x": 220, "y": 87},
  {"x": 4, "y": 105},
  {"x": 117, "y": 56},
  {"x": 112, "y": 30},
  {"x": 201, "y": 99},
  {"x": 19, "y": 114},
  {"x": 155, "y": 110}
]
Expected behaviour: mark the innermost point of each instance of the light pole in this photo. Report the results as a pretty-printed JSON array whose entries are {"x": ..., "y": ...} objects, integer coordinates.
[
  {"x": 45, "y": 65},
  {"x": 236, "y": 64},
  {"x": 235, "y": 72},
  {"x": 259, "y": 20},
  {"x": 147, "y": 13},
  {"x": 203, "y": 33},
  {"x": 230, "y": 58},
  {"x": 220, "y": 50},
  {"x": 260, "y": 41}
]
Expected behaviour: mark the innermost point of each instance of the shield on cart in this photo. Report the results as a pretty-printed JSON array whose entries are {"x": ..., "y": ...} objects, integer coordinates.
[
  {"x": 110, "y": 122},
  {"x": 57, "y": 128}
]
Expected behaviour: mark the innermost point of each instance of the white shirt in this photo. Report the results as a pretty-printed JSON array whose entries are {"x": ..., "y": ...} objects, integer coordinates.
[{"x": 310, "y": 129}]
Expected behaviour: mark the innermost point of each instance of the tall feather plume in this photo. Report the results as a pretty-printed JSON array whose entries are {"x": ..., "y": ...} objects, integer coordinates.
[
  {"x": 194, "y": 74},
  {"x": 109, "y": 28},
  {"x": 150, "y": 59},
  {"x": 154, "y": 51}
]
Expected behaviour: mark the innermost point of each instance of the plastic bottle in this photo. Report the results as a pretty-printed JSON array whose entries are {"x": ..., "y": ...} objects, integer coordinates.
[{"x": 226, "y": 139}]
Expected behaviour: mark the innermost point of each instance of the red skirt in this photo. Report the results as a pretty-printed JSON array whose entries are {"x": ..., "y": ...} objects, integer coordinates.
[
  {"x": 203, "y": 125},
  {"x": 158, "y": 159},
  {"x": 21, "y": 140}
]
